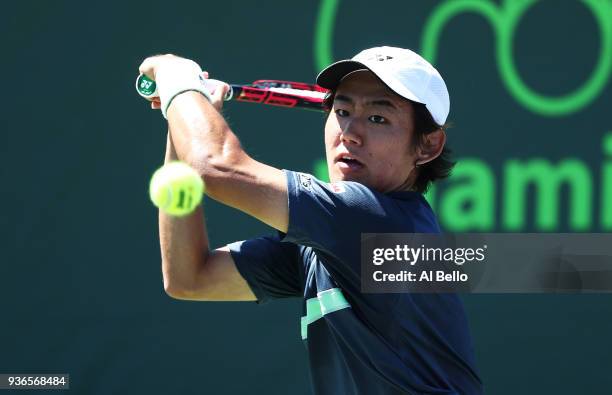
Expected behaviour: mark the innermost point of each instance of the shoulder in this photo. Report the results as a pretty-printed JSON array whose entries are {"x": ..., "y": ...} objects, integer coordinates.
[
  {"x": 343, "y": 191},
  {"x": 348, "y": 203}
]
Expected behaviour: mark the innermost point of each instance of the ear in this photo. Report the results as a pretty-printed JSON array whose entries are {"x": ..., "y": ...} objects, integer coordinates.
[{"x": 431, "y": 146}]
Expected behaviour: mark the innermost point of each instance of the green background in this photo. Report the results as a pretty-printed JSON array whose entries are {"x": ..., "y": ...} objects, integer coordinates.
[{"x": 81, "y": 287}]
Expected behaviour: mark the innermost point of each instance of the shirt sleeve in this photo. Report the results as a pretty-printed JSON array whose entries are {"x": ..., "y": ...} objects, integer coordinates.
[
  {"x": 269, "y": 266},
  {"x": 330, "y": 218},
  {"x": 322, "y": 214}
]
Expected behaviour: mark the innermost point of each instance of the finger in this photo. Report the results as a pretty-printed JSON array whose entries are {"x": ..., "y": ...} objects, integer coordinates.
[
  {"x": 205, "y": 74},
  {"x": 225, "y": 89},
  {"x": 219, "y": 93},
  {"x": 147, "y": 67}
]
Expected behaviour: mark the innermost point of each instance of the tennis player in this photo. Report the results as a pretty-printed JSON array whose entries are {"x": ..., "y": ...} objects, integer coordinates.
[{"x": 385, "y": 144}]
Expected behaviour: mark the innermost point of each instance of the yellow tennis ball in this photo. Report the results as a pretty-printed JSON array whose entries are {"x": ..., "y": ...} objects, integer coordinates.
[{"x": 176, "y": 188}]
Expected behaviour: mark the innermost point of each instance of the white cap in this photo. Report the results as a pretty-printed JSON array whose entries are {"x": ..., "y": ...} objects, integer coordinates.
[{"x": 402, "y": 70}]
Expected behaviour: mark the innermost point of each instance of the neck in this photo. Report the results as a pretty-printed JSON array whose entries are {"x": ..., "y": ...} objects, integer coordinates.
[{"x": 408, "y": 184}]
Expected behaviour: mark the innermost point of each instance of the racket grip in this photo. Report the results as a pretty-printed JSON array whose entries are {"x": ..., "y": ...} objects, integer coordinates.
[{"x": 147, "y": 88}]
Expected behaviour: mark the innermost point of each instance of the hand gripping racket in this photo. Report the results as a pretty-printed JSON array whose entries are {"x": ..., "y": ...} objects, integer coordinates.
[{"x": 270, "y": 92}]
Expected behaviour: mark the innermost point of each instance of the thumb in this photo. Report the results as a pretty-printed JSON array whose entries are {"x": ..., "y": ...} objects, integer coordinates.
[
  {"x": 217, "y": 90},
  {"x": 220, "y": 90}
]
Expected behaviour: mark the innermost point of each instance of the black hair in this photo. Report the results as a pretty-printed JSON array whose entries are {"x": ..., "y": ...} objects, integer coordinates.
[{"x": 427, "y": 173}]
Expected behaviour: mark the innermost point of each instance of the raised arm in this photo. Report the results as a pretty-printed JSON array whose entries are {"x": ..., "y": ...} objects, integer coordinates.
[
  {"x": 204, "y": 140},
  {"x": 199, "y": 136}
]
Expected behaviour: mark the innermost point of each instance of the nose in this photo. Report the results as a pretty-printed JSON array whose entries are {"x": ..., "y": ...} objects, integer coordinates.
[{"x": 352, "y": 132}]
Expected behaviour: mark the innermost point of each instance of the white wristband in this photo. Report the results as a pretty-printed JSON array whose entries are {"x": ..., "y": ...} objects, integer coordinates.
[{"x": 176, "y": 78}]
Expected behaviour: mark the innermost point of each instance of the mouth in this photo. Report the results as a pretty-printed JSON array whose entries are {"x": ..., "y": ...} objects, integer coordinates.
[{"x": 348, "y": 163}]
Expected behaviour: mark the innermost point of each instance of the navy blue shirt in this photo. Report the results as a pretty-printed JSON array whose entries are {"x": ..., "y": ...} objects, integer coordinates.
[{"x": 359, "y": 343}]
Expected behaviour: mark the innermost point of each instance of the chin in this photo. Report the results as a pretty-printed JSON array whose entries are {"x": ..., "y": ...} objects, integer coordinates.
[
  {"x": 336, "y": 176},
  {"x": 351, "y": 177}
]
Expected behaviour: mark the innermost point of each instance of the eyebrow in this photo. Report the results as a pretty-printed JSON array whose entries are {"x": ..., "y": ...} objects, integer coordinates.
[{"x": 377, "y": 102}]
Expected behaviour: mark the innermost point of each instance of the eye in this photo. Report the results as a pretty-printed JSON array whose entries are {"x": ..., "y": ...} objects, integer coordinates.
[
  {"x": 341, "y": 113},
  {"x": 377, "y": 119}
]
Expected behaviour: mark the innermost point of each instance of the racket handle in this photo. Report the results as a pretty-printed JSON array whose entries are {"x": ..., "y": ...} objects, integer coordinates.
[{"x": 147, "y": 88}]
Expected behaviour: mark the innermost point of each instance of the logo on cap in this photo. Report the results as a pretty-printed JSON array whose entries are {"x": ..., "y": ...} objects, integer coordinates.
[{"x": 381, "y": 57}]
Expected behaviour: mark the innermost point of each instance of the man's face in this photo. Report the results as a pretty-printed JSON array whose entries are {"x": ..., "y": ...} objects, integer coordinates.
[{"x": 368, "y": 135}]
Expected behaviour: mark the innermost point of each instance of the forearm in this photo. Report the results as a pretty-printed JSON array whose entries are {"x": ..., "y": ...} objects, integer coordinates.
[
  {"x": 184, "y": 243},
  {"x": 203, "y": 139}
]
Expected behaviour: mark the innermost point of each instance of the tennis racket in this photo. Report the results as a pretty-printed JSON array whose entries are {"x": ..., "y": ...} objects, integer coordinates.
[{"x": 270, "y": 92}]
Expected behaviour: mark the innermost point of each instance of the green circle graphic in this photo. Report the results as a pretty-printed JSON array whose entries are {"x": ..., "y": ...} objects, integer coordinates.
[{"x": 504, "y": 19}]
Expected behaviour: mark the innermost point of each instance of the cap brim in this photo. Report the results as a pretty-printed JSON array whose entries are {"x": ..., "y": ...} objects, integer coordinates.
[{"x": 331, "y": 76}]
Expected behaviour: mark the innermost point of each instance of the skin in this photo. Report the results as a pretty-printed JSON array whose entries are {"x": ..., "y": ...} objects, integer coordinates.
[
  {"x": 375, "y": 126},
  {"x": 368, "y": 122}
]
